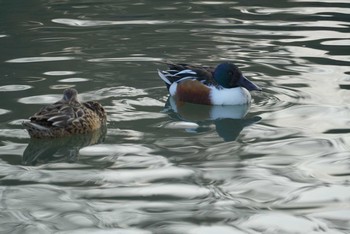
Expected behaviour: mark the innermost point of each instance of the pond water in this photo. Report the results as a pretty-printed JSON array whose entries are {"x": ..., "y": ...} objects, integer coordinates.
[{"x": 280, "y": 165}]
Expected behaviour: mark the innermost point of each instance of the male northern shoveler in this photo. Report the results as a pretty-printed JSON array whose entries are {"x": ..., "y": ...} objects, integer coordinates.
[
  {"x": 224, "y": 85},
  {"x": 66, "y": 117}
]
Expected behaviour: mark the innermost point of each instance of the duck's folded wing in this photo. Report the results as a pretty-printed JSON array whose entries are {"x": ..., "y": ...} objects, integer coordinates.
[
  {"x": 182, "y": 70},
  {"x": 62, "y": 116}
]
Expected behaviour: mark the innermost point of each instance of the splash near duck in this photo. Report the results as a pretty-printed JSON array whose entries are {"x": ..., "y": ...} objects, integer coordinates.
[
  {"x": 66, "y": 117},
  {"x": 223, "y": 85}
]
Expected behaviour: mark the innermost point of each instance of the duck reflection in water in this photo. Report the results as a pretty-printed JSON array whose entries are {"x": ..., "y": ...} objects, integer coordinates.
[
  {"x": 63, "y": 149},
  {"x": 229, "y": 121},
  {"x": 59, "y": 130}
]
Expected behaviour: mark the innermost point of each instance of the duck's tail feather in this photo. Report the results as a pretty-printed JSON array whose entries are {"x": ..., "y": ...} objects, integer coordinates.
[
  {"x": 33, "y": 126},
  {"x": 163, "y": 76}
]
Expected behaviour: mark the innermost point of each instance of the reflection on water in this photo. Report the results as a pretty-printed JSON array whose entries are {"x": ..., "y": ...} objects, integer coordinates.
[
  {"x": 229, "y": 121},
  {"x": 280, "y": 165},
  {"x": 91, "y": 23},
  {"x": 64, "y": 149}
]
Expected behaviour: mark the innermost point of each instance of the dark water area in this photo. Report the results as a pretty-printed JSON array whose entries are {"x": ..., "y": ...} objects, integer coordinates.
[{"x": 279, "y": 165}]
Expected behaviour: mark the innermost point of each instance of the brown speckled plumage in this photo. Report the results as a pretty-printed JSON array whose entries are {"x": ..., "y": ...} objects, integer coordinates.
[{"x": 66, "y": 117}]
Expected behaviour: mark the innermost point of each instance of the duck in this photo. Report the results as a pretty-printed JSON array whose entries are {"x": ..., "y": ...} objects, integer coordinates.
[
  {"x": 66, "y": 117},
  {"x": 223, "y": 85}
]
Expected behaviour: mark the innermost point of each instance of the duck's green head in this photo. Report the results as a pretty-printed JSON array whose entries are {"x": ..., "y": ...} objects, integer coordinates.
[{"x": 228, "y": 75}]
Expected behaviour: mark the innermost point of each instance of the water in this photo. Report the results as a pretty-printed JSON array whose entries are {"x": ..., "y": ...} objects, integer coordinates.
[{"x": 281, "y": 165}]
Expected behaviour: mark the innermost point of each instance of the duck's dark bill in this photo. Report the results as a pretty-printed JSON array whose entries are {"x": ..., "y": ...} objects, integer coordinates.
[{"x": 244, "y": 82}]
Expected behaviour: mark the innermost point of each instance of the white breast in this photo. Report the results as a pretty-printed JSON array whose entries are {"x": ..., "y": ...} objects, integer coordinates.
[{"x": 233, "y": 96}]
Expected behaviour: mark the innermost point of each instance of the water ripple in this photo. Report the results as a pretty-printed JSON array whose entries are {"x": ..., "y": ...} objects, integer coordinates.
[
  {"x": 40, "y": 59},
  {"x": 124, "y": 110},
  {"x": 324, "y": 194},
  {"x": 4, "y": 111},
  {"x": 336, "y": 42},
  {"x": 324, "y": 1},
  {"x": 188, "y": 228},
  {"x": 304, "y": 116},
  {"x": 40, "y": 99},
  {"x": 105, "y": 231},
  {"x": 119, "y": 150},
  {"x": 126, "y": 59},
  {"x": 284, "y": 223},
  {"x": 11, "y": 148},
  {"x": 94, "y": 23},
  {"x": 145, "y": 175},
  {"x": 59, "y": 73},
  {"x": 332, "y": 167},
  {"x": 289, "y": 148},
  {"x": 304, "y": 10},
  {"x": 170, "y": 191},
  {"x": 212, "y": 3},
  {"x": 74, "y": 80},
  {"x": 121, "y": 91},
  {"x": 7, "y": 88}
]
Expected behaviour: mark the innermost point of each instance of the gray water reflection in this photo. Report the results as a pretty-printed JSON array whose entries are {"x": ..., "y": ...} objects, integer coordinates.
[
  {"x": 56, "y": 150},
  {"x": 280, "y": 167},
  {"x": 229, "y": 121}
]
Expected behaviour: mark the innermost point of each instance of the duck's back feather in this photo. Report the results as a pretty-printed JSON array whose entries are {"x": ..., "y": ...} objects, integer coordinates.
[{"x": 181, "y": 71}]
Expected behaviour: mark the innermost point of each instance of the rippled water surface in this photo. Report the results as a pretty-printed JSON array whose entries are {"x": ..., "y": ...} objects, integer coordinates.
[{"x": 280, "y": 165}]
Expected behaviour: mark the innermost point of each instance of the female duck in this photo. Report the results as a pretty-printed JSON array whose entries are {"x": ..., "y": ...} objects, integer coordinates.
[
  {"x": 66, "y": 117},
  {"x": 224, "y": 85}
]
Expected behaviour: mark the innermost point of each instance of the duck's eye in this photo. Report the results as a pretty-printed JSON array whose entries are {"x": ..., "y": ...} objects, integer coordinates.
[{"x": 230, "y": 73}]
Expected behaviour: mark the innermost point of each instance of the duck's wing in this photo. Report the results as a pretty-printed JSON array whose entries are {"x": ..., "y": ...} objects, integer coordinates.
[
  {"x": 58, "y": 115},
  {"x": 182, "y": 71},
  {"x": 96, "y": 108},
  {"x": 206, "y": 70}
]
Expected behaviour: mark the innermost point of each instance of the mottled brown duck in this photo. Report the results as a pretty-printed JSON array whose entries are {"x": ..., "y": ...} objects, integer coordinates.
[{"x": 66, "y": 117}]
